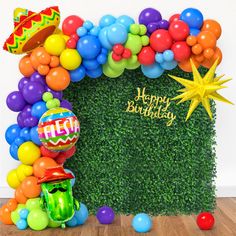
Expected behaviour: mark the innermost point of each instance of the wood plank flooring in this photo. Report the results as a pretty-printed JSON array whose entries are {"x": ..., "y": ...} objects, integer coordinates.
[{"x": 225, "y": 216}]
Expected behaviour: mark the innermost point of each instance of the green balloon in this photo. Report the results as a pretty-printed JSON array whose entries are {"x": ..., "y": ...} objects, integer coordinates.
[
  {"x": 15, "y": 216},
  {"x": 47, "y": 96},
  {"x": 109, "y": 72},
  {"x": 134, "y": 43},
  {"x": 116, "y": 65},
  {"x": 132, "y": 63},
  {"x": 38, "y": 219},
  {"x": 53, "y": 224},
  {"x": 33, "y": 203}
]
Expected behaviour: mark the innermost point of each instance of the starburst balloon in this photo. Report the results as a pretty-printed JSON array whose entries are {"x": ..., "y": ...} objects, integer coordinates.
[{"x": 201, "y": 89}]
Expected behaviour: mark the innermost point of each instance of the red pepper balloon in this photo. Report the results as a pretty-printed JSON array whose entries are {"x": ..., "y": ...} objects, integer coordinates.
[
  {"x": 146, "y": 56},
  {"x": 181, "y": 51},
  {"x": 205, "y": 221},
  {"x": 179, "y": 30},
  {"x": 161, "y": 40}
]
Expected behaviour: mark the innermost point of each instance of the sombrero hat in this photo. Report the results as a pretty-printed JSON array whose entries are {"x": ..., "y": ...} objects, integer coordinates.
[
  {"x": 31, "y": 29},
  {"x": 54, "y": 174}
]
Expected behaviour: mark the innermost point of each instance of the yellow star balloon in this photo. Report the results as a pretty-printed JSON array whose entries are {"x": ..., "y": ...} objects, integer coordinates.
[{"x": 201, "y": 90}]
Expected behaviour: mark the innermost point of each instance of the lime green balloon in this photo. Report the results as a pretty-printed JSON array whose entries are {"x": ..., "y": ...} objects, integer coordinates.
[
  {"x": 53, "y": 103},
  {"x": 109, "y": 72},
  {"x": 38, "y": 219},
  {"x": 134, "y": 43},
  {"x": 142, "y": 29},
  {"x": 15, "y": 216},
  {"x": 145, "y": 40},
  {"x": 134, "y": 29},
  {"x": 33, "y": 203},
  {"x": 47, "y": 96},
  {"x": 53, "y": 224},
  {"x": 116, "y": 65},
  {"x": 132, "y": 63}
]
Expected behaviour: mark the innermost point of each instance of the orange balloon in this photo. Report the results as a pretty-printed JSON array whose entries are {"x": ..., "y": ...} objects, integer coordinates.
[
  {"x": 209, "y": 62},
  {"x": 55, "y": 61},
  {"x": 212, "y": 26},
  {"x": 43, "y": 69},
  {"x": 186, "y": 65},
  {"x": 45, "y": 58},
  {"x": 199, "y": 58},
  {"x": 39, "y": 56},
  {"x": 208, "y": 53},
  {"x": 207, "y": 39},
  {"x": 197, "y": 49},
  {"x": 26, "y": 67},
  {"x": 191, "y": 40},
  {"x": 30, "y": 187},
  {"x": 19, "y": 196},
  {"x": 58, "y": 79},
  {"x": 42, "y": 164},
  {"x": 12, "y": 204},
  {"x": 5, "y": 215}
]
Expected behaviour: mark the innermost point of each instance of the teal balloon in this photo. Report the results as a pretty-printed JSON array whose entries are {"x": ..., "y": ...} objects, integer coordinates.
[
  {"x": 153, "y": 71},
  {"x": 104, "y": 39},
  {"x": 142, "y": 223},
  {"x": 82, "y": 214},
  {"x": 169, "y": 65},
  {"x": 72, "y": 222},
  {"x": 107, "y": 20},
  {"x": 126, "y": 21},
  {"x": 117, "y": 33},
  {"x": 21, "y": 224},
  {"x": 168, "y": 55},
  {"x": 159, "y": 58}
]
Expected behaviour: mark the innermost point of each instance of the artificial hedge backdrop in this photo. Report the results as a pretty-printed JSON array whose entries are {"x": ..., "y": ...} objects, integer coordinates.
[{"x": 133, "y": 163}]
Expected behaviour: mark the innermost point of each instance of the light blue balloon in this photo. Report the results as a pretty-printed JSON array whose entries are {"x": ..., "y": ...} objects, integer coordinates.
[
  {"x": 72, "y": 181},
  {"x": 194, "y": 32},
  {"x": 72, "y": 222},
  {"x": 88, "y": 25},
  {"x": 12, "y": 132},
  {"x": 107, "y": 20},
  {"x": 159, "y": 57},
  {"x": 169, "y": 65},
  {"x": 25, "y": 134},
  {"x": 77, "y": 74},
  {"x": 96, "y": 73},
  {"x": 90, "y": 64},
  {"x": 82, "y": 214},
  {"x": 117, "y": 33},
  {"x": 21, "y": 224},
  {"x": 34, "y": 135},
  {"x": 142, "y": 223},
  {"x": 14, "y": 151},
  {"x": 38, "y": 109},
  {"x": 104, "y": 39},
  {"x": 81, "y": 31},
  {"x": 168, "y": 55},
  {"x": 24, "y": 213},
  {"x": 153, "y": 71},
  {"x": 95, "y": 31},
  {"x": 126, "y": 21}
]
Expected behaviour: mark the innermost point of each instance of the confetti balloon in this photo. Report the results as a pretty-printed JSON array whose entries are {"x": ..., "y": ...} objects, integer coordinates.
[{"x": 58, "y": 129}]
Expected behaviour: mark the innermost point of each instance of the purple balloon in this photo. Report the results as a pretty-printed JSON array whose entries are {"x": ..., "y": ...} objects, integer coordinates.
[
  {"x": 26, "y": 112},
  {"x": 151, "y": 27},
  {"x": 33, "y": 92},
  {"x": 105, "y": 215},
  {"x": 31, "y": 121},
  {"x": 163, "y": 24},
  {"x": 36, "y": 77},
  {"x": 15, "y": 101},
  {"x": 22, "y": 83},
  {"x": 56, "y": 94},
  {"x": 20, "y": 120},
  {"x": 149, "y": 15},
  {"x": 66, "y": 104}
]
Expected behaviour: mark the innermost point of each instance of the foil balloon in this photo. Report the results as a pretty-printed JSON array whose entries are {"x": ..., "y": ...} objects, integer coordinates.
[
  {"x": 31, "y": 29},
  {"x": 58, "y": 129},
  {"x": 57, "y": 196}
]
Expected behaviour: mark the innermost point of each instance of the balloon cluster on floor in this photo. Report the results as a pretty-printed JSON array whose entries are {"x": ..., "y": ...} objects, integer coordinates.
[{"x": 46, "y": 130}]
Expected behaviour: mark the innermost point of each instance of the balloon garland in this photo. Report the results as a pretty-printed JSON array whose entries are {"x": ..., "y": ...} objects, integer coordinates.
[{"x": 47, "y": 130}]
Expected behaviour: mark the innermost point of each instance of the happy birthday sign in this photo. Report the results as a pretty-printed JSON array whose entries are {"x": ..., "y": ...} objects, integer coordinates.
[{"x": 152, "y": 106}]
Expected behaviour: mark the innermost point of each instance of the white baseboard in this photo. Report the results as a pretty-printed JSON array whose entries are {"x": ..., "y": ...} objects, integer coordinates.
[{"x": 222, "y": 191}]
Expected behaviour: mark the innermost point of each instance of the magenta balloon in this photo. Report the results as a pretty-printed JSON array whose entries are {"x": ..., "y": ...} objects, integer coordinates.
[
  {"x": 15, "y": 101},
  {"x": 66, "y": 104},
  {"x": 36, "y": 77},
  {"x": 33, "y": 92},
  {"x": 23, "y": 82},
  {"x": 56, "y": 94},
  {"x": 149, "y": 15}
]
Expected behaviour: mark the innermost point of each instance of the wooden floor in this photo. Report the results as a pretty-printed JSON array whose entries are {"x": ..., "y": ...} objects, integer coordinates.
[{"x": 225, "y": 216}]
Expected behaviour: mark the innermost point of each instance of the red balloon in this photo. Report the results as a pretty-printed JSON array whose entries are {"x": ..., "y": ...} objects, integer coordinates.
[
  {"x": 71, "y": 43},
  {"x": 47, "y": 153},
  {"x": 175, "y": 17},
  {"x": 146, "y": 56},
  {"x": 161, "y": 40},
  {"x": 181, "y": 51},
  {"x": 67, "y": 154},
  {"x": 179, "y": 30},
  {"x": 71, "y": 24},
  {"x": 205, "y": 221}
]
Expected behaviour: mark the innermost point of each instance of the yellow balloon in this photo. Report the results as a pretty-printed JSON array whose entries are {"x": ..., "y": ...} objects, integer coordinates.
[
  {"x": 28, "y": 153},
  {"x": 70, "y": 59},
  {"x": 23, "y": 171},
  {"x": 55, "y": 44},
  {"x": 13, "y": 180}
]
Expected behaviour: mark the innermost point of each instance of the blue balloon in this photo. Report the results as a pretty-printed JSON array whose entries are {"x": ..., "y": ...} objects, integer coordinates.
[
  {"x": 159, "y": 57},
  {"x": 72, "y": 222},
  {"x": 89, "y": 47},
  {"x": 94, "y": 73},
  {"x": 102, "y": 59},
  {"x": 142, "y": 223},
  {"x": 24, "y": 213},
  {"x": 34, "y": 136},
  {"x": 21, "y": 224},
  {"x": 104, "y": 39},
  {"x": 38, "y": 109},
  {"x": 82, "y": 214},
  {"x": 193, "y": 17},
  {"x": 153, "y": 71},
  {"x": 25, "y": 134},
  {"x": 117, "y": 33},
  {"x": 168, "y": 55},
  {"x": 126, "y": 21},
  {"x": 91, "y": 64},
  {"x": 77, "y": 74},
  {"x": 18, "y": 141},
  {"x": 107, "y": 20},
  {"x": 194, "y": 32},
  {"x": 169, "y": 65},
  {"x": 12, "y": 132},
  {"x": 72, "y": 181},
  {"x": 14, "y": 151}
]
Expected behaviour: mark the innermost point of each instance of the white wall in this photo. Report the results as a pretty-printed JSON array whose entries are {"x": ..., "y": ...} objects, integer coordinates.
[{"x": 223, "y": 11}]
